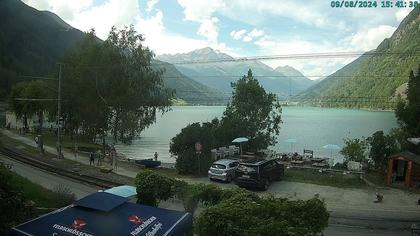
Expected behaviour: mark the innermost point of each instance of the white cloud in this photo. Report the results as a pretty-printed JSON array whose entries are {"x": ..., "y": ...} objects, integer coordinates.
[
  {"x": 103, "y": 17},
  {"x": 310, "y": 14},
  {"x": 256, "y": 33},
  {"x": 402, "y": 13},
  {"x": 162, "y": 42},
  {"x": 202, "y": 12},
  {"x": 82, "y": 14},
  {"x": 237, "y": 34},
  {"x": 312, "y": 66},
  {"x": 209, "y": 29},
  {"x": 247, "y": 37},
  {"x": 151, "y": 4},
  {"x": 369, "y": 39},
  {"x": 65, "y": 9}
]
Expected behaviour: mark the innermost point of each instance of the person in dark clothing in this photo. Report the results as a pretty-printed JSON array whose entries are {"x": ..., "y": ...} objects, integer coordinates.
[
  {"x": 156, "y": 156},
  {"x": 91, "y": 159}
]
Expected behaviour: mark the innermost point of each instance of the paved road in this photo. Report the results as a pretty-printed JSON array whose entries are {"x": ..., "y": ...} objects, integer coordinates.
[
  {"x": 48, "y": 180},
  {"x": 336, "y": 230}
]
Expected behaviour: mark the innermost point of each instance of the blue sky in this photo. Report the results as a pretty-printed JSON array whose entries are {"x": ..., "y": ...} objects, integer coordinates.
[{"x": 239, "y": 27}]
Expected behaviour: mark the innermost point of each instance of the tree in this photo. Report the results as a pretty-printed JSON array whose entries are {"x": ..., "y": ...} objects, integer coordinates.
[
  {"x": 252, "y": 113},
  {"x": 354, "y": 150},
  {"x": 381, "y": 147},
  {"x": 153, "y": 188},
  {"x": 183, "y": 147},
  {"x": 25, "y": 109},
  {"x": 112, "y": 87},
  {"x": 408, "y": 113}
]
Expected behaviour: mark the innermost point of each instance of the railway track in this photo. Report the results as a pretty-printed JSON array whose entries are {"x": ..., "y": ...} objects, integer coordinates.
[{"x": 27, "y": 159}]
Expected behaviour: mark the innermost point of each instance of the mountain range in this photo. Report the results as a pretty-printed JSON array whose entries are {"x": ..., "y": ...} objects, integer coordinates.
[
  {"x": 376, "y": 75},
  {"x": 32, "y": 42},
  {"x": 218, "y": 70}
]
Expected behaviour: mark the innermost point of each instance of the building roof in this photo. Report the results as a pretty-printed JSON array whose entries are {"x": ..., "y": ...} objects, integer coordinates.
[{"x": 408, "y": 155}]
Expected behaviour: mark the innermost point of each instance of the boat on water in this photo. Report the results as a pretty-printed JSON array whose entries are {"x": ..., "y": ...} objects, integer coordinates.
[{"x": 148, "y": 163}]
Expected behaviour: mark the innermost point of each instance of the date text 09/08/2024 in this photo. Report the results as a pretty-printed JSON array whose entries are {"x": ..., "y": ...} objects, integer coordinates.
[{"x": 374, "y": 4}]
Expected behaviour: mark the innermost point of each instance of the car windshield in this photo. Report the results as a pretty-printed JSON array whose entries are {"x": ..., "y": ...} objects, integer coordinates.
[
  {"x": 248, "y": 168},
  {"x": 218, "y": 166}
]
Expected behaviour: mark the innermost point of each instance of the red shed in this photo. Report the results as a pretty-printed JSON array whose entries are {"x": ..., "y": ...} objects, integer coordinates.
[{"x": 404, "y": 168}]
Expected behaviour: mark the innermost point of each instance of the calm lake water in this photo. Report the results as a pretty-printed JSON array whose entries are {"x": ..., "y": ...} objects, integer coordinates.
[{"x": 312, "y": 128}]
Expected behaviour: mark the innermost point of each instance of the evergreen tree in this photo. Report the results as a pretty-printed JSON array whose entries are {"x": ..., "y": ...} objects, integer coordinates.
[
  {"x": 408, "y": 113},
  {"x": 252, "y": 113}
]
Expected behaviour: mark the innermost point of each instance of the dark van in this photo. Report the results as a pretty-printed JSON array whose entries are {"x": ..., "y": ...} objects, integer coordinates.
[{"x": 259, "y": 174}]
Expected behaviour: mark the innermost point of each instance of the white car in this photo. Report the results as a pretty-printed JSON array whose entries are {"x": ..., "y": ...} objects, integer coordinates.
[{"x": 223, "y": 169}]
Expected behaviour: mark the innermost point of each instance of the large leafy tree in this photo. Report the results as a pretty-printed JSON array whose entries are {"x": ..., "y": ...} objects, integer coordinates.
[
  {"x": 408, "y": 113},
  {"x": 252, "y": 113},
  {"x": 27, "y": 100},
  {"x": 183, "y": 147},
  {"x": 354, "y": 150},
  {"x": 111, "y": 86},
  {"x": 381, "y": 147}
]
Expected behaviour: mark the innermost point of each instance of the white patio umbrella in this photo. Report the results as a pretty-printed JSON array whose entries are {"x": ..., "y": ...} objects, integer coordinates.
[
  {"x": 331, "y": 147},
  {"x": 291, "y": 141},
  {"x": 415, "y": 141},
  {"x": 240, "y": 141}
]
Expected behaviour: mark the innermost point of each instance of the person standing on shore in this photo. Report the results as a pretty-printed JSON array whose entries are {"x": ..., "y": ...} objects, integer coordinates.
[
  {"x": 156, "y": 156},
  {"x": 91, "y": 159}
]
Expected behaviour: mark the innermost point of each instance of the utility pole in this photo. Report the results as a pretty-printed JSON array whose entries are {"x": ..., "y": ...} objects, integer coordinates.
[{"x": 59, "y": 114}]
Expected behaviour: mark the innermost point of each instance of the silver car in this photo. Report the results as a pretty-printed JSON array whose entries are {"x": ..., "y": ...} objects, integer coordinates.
[{"x": 223, "y": 169}]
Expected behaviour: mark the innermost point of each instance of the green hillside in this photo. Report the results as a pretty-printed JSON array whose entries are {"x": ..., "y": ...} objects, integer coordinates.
[
  {"x": 189, "y": 90},
  {"x": 375, "y": 75},
  {"x": 31, "y": 42}
]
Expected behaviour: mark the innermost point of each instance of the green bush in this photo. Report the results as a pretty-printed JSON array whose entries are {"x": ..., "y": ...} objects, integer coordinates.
[
  {"x": 183, "y": 146},
  {"x": 153, "y": 188},
  {"x": 12, "y": 202},
  {"x": 247, "y": 214},
  {"x": 63, "y": 196}
]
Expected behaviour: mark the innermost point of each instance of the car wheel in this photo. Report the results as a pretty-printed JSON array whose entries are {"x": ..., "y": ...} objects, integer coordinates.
[
  {"x": 266, "y": 184},
  {"x": 229, "y": 179}
]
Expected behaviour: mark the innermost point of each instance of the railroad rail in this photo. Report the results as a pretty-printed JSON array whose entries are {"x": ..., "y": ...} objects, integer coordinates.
[{"x": 27, "y": 159}]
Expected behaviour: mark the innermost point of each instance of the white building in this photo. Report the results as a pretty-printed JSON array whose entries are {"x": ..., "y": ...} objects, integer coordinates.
[{"x": 14, "y": 123}]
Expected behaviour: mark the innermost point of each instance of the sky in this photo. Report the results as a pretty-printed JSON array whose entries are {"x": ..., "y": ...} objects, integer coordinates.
[{"x": 239, "y": 27}]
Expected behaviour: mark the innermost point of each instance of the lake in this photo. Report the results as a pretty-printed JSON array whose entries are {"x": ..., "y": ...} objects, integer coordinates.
[{"x": 312, "y": 127}]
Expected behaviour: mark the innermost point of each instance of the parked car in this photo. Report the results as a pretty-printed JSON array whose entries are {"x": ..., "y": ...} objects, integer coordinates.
[
  {"x": 223, "y": 169},
  {"x": 259, "y": 174}
]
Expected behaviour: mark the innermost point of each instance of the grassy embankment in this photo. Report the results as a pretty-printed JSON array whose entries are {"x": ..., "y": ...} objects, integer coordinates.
[
  {"x": 326, "y": 178},
  {"x": 41, "y": 196}
]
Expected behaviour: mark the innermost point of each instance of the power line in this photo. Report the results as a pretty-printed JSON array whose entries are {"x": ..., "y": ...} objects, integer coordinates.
[
  {"x": 266, "y": 57},
  {"x": 294, "y": 56},
  {"x": 36, "y": 99}
]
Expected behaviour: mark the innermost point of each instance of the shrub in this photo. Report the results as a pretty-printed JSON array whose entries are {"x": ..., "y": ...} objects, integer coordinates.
[
  {"x": 153, "y": 188},
  {"x": 12, "y": 202},
  {"x": 63, "y": 195},
  {"x": 183, "y": 146},
  {"x": 247, "y": 214}
]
